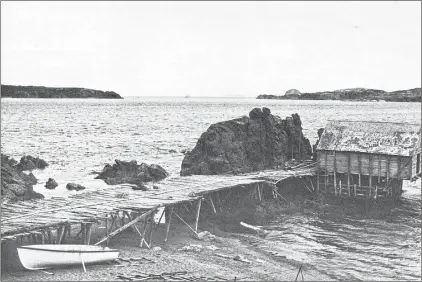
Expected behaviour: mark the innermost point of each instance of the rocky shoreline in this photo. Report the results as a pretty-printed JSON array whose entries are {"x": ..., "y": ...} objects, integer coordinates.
[
  {"x": 352, "y": 94},
  {"x": 12, "y": 91},
  {"x": 15, "y": 184}
]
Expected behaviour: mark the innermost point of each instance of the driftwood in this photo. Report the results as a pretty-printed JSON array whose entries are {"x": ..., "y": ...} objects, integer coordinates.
[{"x": 259, "y": 230}]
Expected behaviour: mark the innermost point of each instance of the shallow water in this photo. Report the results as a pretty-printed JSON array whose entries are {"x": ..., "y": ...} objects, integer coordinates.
[{"x": 78, "y": 137}]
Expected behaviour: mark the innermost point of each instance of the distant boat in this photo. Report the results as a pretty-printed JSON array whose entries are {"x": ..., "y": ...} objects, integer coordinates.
[{"x": 46, "y": 256}]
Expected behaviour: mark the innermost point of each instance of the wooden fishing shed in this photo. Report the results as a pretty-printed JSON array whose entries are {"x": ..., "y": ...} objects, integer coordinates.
[{"x": 371, "y": 159}]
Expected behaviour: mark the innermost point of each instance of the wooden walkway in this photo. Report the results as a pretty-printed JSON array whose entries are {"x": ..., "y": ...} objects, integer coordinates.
[{"x": 36, "y": 219}]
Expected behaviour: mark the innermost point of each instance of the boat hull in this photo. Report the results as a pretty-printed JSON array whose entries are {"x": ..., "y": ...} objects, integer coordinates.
[{"x": 35, "y": 257}]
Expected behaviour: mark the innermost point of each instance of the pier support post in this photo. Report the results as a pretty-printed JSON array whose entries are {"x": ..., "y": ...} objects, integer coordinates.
[
  {"x": 317, "y": 177},
  {"x": 218, "y": 201},
  {"x": 60, "y": 234},
  {"x": 212, "y": 203},
  {"x": 88, "y": 233},
  {"x": 168, "y": 221},
  {"x": 198, "y": 211},
  {"x": 151, "y": 226}
]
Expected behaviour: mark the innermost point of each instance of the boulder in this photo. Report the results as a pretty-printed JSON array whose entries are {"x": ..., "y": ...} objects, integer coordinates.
[
  {"x": 31, "y": 163},
  {"x": 260, "y": 141},
  {"x": 74, "y": 186},
  {"x": 16, "y": 185},
  {"x": 51, "y": 184},
  {"x": 132, "y": 173},
  {"x": 256, "y": 113},
  {"x": 157, "y": 172}
]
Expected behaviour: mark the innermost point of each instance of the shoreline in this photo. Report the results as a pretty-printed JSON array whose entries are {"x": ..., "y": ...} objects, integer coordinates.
[{"x": 205, "y": 263}]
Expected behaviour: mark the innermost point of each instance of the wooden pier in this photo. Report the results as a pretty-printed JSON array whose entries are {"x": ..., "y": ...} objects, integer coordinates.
[{"x": 120, "y": 207}]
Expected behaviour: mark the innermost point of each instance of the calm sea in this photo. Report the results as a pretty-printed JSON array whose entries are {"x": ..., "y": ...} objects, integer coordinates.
[{"x": 78, "y": 137}]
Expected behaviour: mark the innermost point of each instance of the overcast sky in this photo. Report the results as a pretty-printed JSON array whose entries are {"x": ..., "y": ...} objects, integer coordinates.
[{"x": 211, "y": 48}]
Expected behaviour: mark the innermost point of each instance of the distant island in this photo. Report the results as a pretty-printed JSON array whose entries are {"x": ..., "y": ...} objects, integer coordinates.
[
  {"x": 352, "y": 94},
  {"x": 12, "y": 91}
]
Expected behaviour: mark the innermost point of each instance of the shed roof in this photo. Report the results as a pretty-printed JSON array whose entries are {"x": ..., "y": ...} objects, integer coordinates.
[{"x": 398, "y": 139}]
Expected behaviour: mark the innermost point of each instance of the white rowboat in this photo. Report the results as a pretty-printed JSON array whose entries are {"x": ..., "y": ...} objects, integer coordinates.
[{"x": 46, "y": 256}]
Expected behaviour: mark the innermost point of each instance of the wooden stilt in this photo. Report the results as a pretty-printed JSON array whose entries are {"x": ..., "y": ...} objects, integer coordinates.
[
  {"x": 370, "y": 172},
  {"x": 151, "y": 228},
  {"x": 326, "y": 172},
  {"x": 376, "y": 192},
  {"x": 348, "y": 184},
  {"x": 159, "y": 221},
  {"x": 355, "y": 188},
  {"x": 144, "y": 233},
  {"x": 60, "y": 234},
  {"x": 212, "y": 203},
  {"x": 259, "y": 192},
  {"x": 83, "y": 232},
  {"x": 42, "y": 237},
  {"x": 88, "y": 233},
  {"x": 113, "y": 220},
  {"x": 218, "y": 201},
  {"x": 106, "y": 227},
  {"x": 181, "y": 219},
  {"x": 138, "y": 218},
  {"x": 168, "y": 222},
  {"x": 198, "y": 211},
  {"x": 317, "y": 187},
  {"x": 335, "y": 174},
  {"x": 50, "y": 236},
  {"x": 335, "y": 183},
  {"x": 66, "y": 231}
]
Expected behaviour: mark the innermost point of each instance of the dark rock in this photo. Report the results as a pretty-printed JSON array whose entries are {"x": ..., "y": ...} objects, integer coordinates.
[
  {"x": 256, "y": 113},
  {"x": 74, "y": 186},
  {"x": 31, "y": 163},
  {"x": 132, "y": 173},
  {"x": 172, "y": 151},
  {"x": 51, "y": 184},
  {"x": 16, "y": 185},
  {"x": 157, "y": 172},
  {"x": 155, "y": 187},
  {"x": 265, "y": 112},
  {"x": 245, "y": 144}
]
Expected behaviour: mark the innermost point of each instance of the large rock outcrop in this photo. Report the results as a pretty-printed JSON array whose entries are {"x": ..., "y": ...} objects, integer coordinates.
[
  {"x": 260, "y": 141},
  {"x": 13, "y": 91},
  {"x": 132, "y": 173},
  {"x": 15, "y": 184}
]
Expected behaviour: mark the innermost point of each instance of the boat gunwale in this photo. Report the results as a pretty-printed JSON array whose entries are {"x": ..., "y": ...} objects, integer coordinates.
[{"x": 68, "y": 251}]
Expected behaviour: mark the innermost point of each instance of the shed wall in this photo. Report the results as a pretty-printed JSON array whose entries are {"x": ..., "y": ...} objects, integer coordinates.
[{"x": 366, "y": 164}]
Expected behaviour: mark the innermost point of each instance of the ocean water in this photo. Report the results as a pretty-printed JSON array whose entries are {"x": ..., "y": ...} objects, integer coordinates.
[{"x": 78, "y": 137}]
